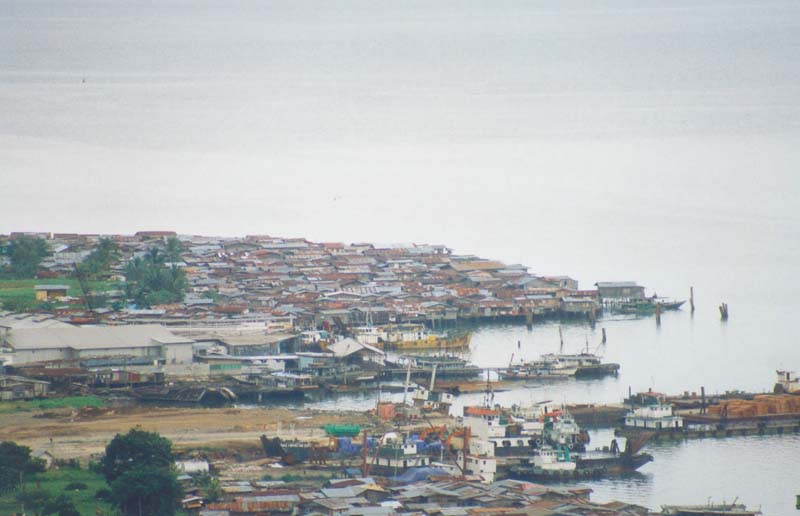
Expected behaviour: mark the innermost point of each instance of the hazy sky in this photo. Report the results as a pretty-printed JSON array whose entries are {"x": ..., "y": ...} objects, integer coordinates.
[{"x": 477, "y": 124}]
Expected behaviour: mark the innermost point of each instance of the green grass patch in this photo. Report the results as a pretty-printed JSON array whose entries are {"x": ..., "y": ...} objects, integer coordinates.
[
  {"x": 22, "y": 290},
  {"x": 52, "y": 403},
  {"x": 54, "y": 482},
  {"x": 20, "y": 294}
]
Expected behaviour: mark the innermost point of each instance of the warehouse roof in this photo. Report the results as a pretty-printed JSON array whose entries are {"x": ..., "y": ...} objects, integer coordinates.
[
  {"x": 21, "y": 321},
  {"x": 93, "y": 337},
  {"x": 346, "y": 347}
]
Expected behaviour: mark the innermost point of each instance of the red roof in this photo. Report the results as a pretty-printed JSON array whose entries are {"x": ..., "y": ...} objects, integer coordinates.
[{"x": 480, "y": 411}]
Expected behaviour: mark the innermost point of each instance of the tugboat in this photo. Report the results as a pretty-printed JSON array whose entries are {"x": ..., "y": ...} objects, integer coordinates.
[
  {"x": 556, "y": 464},
  {"x": 653, "y": 418}
]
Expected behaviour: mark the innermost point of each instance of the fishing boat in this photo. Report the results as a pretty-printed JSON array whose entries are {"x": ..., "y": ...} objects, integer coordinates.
[
  {"x": 560, "y": 365},
  {"x": 409, "y": 337},
  {"x": 646, "y": 305},
  {"x": 554, "y": 366},
  {"x": 584, "y": 364},
  {"x": 723, "y": 509},
  {"x": 447, "y": 366}
]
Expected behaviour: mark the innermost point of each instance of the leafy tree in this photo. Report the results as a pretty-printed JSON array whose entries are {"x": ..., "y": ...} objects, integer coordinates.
[
  {"x": 174, "y": 249},
  {"x": 100, "y": 260},
  {"x": 159, "y": 297},
  {"x": 146, "y": 490},
  {"x": 137, "y": 448},
  {"x": 35, "y": 500},
  {"x": 26, "y": 255},
  {"x": 61, "y": 506},
  {"x": 149, "y": 281},
  {"x": 138, "y": 466},
  {"x": 213, "y": 490},
  {"x": 15, "y": 463}
]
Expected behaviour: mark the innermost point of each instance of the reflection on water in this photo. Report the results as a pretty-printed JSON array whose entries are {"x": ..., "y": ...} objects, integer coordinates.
[
  {"x": 756, "y": 469},
  {"x": 683, "y": 354}
]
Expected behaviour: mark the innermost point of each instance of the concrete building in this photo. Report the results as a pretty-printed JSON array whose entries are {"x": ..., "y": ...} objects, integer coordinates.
[{"x": 81, "y": 342}]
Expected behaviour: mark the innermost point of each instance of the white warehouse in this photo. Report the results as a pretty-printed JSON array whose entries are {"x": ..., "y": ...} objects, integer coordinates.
[{"x": 80, "y": 342}]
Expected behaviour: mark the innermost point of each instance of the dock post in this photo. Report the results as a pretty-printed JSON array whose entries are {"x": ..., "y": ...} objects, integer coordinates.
[
  {"x": 691, "y": 299},
  {"x": 658, "y": 314},
  {"x": 723, "y": 311},
  {"x": 529, "y": 319},
  {"x": 604, "y": 335},
  {"x": 702, "y": 399}
]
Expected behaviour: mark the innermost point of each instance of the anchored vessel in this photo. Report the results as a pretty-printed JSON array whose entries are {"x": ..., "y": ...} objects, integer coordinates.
[
  {"x": 732, "y": 509},
  {"x": 409, "y": 337},
  {"x": 554, "y": 366},
  {"x": 550, "y": 463}
]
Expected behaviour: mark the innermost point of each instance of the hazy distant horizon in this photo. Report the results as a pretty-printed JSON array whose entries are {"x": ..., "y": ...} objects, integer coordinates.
[{"x": 589, "y": 138}]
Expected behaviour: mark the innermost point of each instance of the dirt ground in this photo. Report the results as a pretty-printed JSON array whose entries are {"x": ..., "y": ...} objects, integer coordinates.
[{"x": 84, "y": 433}]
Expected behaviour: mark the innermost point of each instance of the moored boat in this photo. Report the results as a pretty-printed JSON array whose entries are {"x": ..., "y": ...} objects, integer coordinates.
[
  {"x": 555, "y": 464},
  {"x": 409, "y": 337}
]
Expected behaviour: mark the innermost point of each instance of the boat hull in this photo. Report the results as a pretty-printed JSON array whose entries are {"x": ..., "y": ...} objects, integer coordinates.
[
  {"x": 585, "y": 468},
  {"x": 430, "y": 343}
]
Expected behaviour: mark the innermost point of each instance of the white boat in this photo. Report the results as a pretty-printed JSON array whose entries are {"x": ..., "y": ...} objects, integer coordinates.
[
  {"x": 658, "y": 417},
  {"x": 548, "y": 458}
]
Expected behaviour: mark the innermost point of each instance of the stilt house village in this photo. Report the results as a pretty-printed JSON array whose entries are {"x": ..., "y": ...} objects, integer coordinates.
[{"x": 115, "y": 348}]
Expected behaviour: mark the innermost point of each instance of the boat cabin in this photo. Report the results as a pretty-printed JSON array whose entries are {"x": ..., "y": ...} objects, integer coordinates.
[{"x": 654, "y": 417}]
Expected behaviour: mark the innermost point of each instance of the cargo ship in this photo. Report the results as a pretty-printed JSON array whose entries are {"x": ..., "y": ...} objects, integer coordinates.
[{"x": 409, "y": 338}]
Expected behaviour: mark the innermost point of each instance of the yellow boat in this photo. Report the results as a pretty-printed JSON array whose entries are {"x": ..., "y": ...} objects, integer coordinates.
[
  {"x": 429, "y": 343},
  {"x": 409, "y": 337}
]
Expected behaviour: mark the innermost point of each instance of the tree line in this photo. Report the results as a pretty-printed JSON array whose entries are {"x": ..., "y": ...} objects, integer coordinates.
[
  {"x": 149, "y": 280},
  {"x": 138, "y": 466}
]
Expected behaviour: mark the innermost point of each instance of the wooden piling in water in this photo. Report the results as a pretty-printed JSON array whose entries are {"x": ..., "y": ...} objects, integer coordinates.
[
  {"x": 604, "y": 335},
  {"x": 691, "y": 298},
  {"x": 702, "y": 399},
  {"x": 658, "y": 314},
  {"x": 723, "y": 311}
]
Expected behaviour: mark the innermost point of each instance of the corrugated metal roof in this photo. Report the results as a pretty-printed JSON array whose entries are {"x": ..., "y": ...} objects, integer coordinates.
[{"x": 93, "y": 337}]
